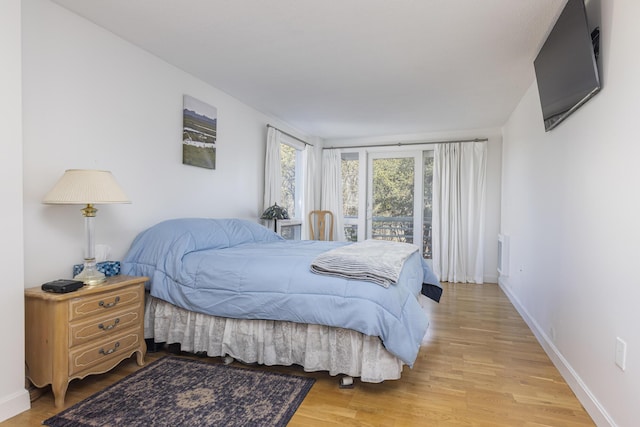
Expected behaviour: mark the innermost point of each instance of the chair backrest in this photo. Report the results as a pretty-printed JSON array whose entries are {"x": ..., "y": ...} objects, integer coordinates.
[{"x": 319, "y": 227}]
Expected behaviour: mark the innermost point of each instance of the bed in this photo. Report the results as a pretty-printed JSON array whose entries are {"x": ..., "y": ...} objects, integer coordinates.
[{"x": 231, "y": 287}]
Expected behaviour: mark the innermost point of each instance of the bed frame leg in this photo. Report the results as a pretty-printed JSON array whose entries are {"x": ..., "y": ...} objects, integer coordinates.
[
  {"x": 228, "y": 360},
  {"x": 346, "y": 382}
]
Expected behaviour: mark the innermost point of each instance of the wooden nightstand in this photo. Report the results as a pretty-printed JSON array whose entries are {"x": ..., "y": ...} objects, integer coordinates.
[{"x": 88, "y": 331}]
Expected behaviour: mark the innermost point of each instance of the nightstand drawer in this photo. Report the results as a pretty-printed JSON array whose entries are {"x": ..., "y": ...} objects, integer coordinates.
[
  {"x": 104, "y": 302},
  {"x": 88, "y": 356},
  {"x": 102, "y": 326}
]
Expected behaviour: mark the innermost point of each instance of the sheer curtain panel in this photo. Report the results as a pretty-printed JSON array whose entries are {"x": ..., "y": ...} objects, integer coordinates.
[
  {"x": 309, "y": 202},
  {"x": 272, "y": 172},
  {"x": 331, "y": 194},
  {"x": 459, "y": 180}
]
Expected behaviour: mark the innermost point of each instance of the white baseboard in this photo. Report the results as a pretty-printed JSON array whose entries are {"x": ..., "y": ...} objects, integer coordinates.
[
  {"x": 490, "y": 278},
  {"x": 14, "y": 404},
  {"x": 582, "y": 392}
]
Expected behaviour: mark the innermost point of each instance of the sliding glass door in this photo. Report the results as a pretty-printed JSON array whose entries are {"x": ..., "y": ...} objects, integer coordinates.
[
  {"x": 393, "y": 210},
  {"x": 388, "y": 196}
]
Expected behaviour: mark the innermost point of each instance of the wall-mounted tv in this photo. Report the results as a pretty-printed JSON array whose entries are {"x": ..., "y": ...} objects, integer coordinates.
[{"x": 566, "y": 69}]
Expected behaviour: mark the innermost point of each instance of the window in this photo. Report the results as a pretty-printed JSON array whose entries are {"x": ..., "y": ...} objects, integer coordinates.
[
  {"x": 393, "y": 197},
  {"x": 292, "y": 176},
  {"x": 387, "y": 194},
  {"x": 350, "y": 195},
  {"x": 427, "y": 202}
]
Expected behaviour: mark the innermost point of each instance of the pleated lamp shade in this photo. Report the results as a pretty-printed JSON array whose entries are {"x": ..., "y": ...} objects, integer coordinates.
[{"x": 84, "y": 186}]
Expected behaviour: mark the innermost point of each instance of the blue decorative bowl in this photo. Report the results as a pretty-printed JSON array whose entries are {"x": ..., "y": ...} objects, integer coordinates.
[{"x": 108, "y": 268}]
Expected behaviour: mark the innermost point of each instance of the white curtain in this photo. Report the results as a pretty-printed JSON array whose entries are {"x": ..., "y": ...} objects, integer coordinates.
[
  {"x": 309, "y": 201},
  {"x": 272, "y": 171},
  {"x": 331, "y": 194},
  {"x": 459, "y": 180}
]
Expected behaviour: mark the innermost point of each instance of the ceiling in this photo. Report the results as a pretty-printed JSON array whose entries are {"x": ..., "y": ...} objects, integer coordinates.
[{"x": 347, "y": 68}]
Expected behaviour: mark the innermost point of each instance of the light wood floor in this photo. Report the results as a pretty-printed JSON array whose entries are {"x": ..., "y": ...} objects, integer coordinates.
[{"x": 479, "y": 365}]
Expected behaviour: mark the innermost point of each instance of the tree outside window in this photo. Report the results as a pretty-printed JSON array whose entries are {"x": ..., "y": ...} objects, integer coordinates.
[
  {"x": 350, "y": 169},
  {"x": 289, "y": 164}
]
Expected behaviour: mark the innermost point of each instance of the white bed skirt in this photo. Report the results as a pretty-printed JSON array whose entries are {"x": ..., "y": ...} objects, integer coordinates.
[{"x": 269, "y": 342}]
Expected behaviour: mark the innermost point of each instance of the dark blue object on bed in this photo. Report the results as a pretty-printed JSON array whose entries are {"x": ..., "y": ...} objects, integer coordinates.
[{"x": 240, "y": 269}]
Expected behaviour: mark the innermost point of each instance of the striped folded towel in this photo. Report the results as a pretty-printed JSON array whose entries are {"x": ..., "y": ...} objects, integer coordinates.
[{"x": 377, "y": 261}]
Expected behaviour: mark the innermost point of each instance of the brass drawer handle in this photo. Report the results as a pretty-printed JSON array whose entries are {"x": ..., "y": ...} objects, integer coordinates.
[
  {"x": 109, "y": 305},
  {"x": 108, "y": 328},
  {"x": 105, "y": 353}
]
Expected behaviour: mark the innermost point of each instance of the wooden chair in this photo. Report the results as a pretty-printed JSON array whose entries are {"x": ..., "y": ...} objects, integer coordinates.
[{"x": 319, "y": 227}]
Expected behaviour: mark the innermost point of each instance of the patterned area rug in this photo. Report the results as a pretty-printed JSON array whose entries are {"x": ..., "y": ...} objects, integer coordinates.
[{"x": 175, "y": 391}]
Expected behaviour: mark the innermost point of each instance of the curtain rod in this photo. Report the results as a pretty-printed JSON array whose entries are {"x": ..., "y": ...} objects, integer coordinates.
[
  {"x": 289, "y": 135},
  {"x": 400, "y": 144}
]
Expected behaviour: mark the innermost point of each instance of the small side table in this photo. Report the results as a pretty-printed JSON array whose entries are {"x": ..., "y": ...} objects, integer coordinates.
[
  {"x": 290, "y": 229},
  {"x": 85, "y": 332}
]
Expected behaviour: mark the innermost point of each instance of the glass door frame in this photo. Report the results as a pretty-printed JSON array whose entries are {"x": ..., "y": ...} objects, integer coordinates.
[{"x": 418, "y": 191}]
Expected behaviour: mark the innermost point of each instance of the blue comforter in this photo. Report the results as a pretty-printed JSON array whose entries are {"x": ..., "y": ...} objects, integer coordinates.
[{"x": 239, "y": 269}]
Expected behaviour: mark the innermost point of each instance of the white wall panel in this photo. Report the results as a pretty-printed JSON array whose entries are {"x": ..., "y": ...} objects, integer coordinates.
[{"x": 570, "y": 205}]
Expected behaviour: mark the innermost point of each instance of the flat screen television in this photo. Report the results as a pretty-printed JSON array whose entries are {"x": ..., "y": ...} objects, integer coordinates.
[{"x": 566, "y": 68}]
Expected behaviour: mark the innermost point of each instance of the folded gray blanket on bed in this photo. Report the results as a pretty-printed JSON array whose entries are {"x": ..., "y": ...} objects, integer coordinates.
[{"x": 377, "y": 261}]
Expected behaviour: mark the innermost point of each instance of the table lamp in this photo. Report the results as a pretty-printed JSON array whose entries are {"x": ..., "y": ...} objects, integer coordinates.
[
  {"x": 87, "y": 187},
  {"x": 275, "y": 213}
]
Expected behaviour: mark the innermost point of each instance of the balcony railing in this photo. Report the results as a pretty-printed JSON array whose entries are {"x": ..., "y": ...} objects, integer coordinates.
[{"x": 397, "y": 229}]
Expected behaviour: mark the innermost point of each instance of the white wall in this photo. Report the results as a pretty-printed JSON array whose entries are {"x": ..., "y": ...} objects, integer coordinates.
[
  {"x": 494, "y": 162},
  {"x": 92, "y": 100},
  {"x": 571, "y": 205},
  {"x": 13, "y": 396}
]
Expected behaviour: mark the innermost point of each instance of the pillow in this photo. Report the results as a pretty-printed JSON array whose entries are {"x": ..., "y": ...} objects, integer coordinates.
[{"x": 181, "y": 236}]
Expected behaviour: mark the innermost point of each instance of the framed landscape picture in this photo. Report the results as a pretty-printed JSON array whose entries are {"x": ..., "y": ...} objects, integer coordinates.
[{"x": 199, "y": 133}]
